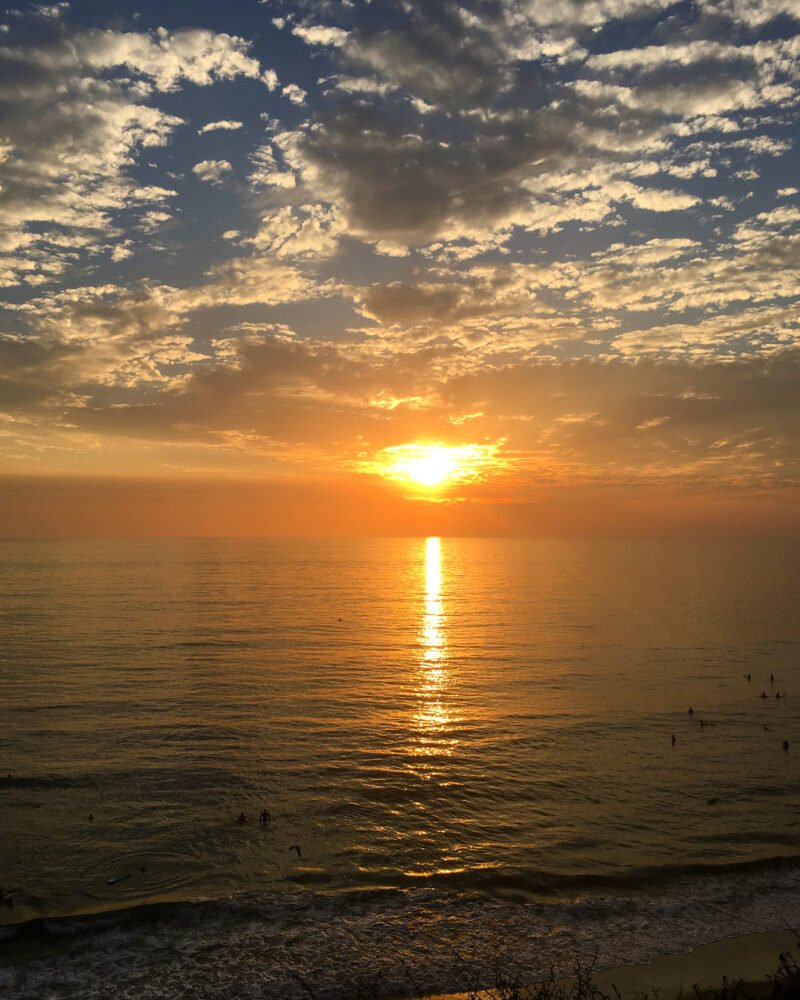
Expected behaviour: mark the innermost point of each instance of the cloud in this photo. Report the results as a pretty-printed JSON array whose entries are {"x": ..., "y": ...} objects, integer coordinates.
[
  {"x": 270, "y": 169},
  {"x": 212, "y": 171},
  {"x": 446, "y": 125},
  {"x": 77, "y": 110},
  {"x": 320, "y": 34},
  {"x": 586, "y": 421},
  {"x": 564, "y": 227},
  {"x": 308, "y": 232},
  {"x": 97, "y": 338},
  {"x": 220, "y": 126},
  {"x": 647, "y": 421},
  {"x": 294, "y": 93}
]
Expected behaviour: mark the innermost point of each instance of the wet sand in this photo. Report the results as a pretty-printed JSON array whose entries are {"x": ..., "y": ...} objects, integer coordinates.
[{"x": 752, "y": 959}]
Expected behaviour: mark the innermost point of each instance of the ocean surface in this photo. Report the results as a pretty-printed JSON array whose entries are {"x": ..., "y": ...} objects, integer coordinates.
[{"x": 465, "y": 746}]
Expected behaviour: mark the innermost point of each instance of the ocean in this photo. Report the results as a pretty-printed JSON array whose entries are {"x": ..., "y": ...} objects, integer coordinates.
[{"x": 465, "y": 747}]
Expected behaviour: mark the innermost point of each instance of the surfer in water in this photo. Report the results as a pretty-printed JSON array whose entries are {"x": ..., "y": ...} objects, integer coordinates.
[
  {"x": 241, "y": 818},
  {"x": 264, "y": 817}
]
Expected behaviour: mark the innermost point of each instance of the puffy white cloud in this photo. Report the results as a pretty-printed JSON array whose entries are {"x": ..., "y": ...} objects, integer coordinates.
[
  {"x": 316, "y": 34},
  {"x": 221, "y": 126},
  {"x": 212, "y": 171},
  {"x": 294, "y": 93}
]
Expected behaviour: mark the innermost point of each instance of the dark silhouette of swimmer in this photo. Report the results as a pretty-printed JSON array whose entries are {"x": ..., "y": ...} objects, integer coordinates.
[
  {"x": 241, "y": 818},
  {"x": 691, "y": 710},
  {"x": 763, "y": 694},
  {"x": 772, "y": 678},
  {"x": 674, "y": 741},
  {"x": 91, "y": 817},
  {"x": 747, "y": 677},
  {"x": 296, "y": 847},
  {"x": 264, "y": 817},
  {"x": 767, "y": 729},
  {"x": 778, "y": 695},
  {"x": 785, "y": 746}
]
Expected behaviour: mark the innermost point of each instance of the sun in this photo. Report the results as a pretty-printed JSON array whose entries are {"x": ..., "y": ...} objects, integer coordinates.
[{"x": 433, "y": 466}]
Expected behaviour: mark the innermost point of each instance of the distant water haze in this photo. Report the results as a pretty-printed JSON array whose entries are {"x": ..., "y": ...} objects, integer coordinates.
[{"x": 428, "y": 720}]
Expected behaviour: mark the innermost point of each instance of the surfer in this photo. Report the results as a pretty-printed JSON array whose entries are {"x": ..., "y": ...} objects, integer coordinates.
[
  {"x": 264, "y": 817},
  {"x": 241, "y": 818},
  {"x": 785, "y": 746},
  {"x": 296, "y": 847},
  {"x": 674, "y": 741}
]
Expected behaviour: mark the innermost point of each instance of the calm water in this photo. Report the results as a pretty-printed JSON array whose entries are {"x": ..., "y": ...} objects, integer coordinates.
[{"x": 469, "y": 741}]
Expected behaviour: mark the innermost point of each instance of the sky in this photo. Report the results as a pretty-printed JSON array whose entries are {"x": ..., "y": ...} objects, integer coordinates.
[{"x": 259, "y": 258}]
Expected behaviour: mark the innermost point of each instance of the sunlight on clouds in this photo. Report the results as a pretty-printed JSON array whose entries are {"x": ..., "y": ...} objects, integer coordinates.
[{"x": 594, "y": 276}]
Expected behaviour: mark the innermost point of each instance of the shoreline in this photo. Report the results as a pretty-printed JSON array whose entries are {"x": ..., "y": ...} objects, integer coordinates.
[{"x": 752, "y": 959}]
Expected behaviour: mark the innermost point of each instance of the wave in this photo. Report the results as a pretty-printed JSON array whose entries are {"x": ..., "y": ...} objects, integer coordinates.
[
  {"x": 445, "y": 939},
  {"x": 51, "y": 781},
  {"x": 642, "y": 879}
]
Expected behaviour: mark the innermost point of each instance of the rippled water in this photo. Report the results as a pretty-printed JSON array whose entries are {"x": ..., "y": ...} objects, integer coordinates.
[{"x": 469, "y": 740}]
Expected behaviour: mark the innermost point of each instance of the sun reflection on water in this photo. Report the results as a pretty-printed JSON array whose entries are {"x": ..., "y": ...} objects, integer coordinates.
[{"x": 434, "y": 714}]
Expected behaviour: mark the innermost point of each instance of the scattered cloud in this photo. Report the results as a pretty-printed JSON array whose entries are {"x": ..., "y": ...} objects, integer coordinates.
[
  {"x": 568, "y": 227},
  {"x": 220, "y": 126},
  {"x": 212, "y": 171}
]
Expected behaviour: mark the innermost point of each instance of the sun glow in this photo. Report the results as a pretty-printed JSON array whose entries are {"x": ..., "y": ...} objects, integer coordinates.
[{"x": 433, "y": 466}]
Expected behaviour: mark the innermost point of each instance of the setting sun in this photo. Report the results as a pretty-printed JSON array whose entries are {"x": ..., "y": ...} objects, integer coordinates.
[{"x": 433, "y": 465}]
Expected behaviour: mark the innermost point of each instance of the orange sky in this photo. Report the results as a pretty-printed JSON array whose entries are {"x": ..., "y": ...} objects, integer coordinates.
[{"x": 111, "y": 507}]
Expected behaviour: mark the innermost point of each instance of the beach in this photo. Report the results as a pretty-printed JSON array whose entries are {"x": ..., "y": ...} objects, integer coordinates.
[{"x": 750, "y": 966}]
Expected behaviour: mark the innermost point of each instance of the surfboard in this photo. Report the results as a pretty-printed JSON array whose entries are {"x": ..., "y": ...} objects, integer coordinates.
[{"x": 118, "y": 878}]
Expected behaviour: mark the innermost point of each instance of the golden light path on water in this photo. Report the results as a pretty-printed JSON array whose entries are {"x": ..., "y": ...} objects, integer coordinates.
[{"x": 434, "y": 676}]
